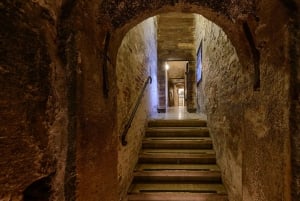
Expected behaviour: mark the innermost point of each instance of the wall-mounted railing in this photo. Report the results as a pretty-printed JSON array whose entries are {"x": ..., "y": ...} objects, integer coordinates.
[{"x": 138, "y": 102}]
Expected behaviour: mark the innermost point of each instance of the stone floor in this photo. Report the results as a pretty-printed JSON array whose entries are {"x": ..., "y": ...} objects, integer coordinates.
[{"x": 178, "y": 113}]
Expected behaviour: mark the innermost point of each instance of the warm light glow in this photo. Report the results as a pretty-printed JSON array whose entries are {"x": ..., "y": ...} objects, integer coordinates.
[
  {"x": 180, "y": 91},
  {"x": 167, "y": 66}
]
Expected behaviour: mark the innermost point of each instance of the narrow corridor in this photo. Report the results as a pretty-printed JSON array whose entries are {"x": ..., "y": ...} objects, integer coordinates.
[{"x": 71, "y": 72}]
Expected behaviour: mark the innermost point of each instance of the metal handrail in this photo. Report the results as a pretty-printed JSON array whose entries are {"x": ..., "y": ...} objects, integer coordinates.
[{"x": 128, "y": 125}]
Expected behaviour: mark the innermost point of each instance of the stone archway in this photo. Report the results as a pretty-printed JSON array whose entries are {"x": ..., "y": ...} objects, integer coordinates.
[
  {"x": 124, "y": 15},
  {"x": 249, "y": 27},
  {"x": 119, "y": 17},
  {"x": 53, "y": 54}
]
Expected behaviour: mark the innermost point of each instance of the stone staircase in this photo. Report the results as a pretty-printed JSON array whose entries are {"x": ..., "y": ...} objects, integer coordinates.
[{"x": 177, "y": 163}]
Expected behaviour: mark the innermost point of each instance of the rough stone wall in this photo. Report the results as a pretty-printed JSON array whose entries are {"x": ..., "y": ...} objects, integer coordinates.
[
  {"x": 191, "y": 87},
  {"x": 33, "y": 98},
  {"x": 200, "y": 32},
  {"x": 266, "y": 138},
  {"x": 93, "y": 142},
  {"x": 225, "y": 87},
  {"x": 161, "y": 85},
  {"x": 136, "y": 61},
  {"x": 295, "y": 95},
  {"x": 249, "y": 122},
  {"x": 61, "y": 44},
  {"x": 55, "y": 121}
]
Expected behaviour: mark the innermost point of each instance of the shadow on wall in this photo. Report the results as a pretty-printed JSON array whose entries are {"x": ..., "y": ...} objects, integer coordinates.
[{"x": 39, "y": 190}]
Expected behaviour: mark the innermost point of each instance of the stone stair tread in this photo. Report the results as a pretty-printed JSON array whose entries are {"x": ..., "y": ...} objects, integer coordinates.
[
  {"x": 177, "y": 151},
  {"x": 178, "y": 139},
  {"x": 183, "y": 173},
  {"x": 198, "y": 167},
  {"x": 169, "y": 142},
  {"x": 177, "y": 187},
  {"x": 177, "y": 163},
  {"x": 179, "y": 158},
  {"x": 176, "y": 145},
  {"x": 177, "y": 175},
  {"x": 181, "y": 196},
  {"x": 176, "y": 123},
  {"x": 178, "y": 155},
  {"x": 177, "y": 131}
]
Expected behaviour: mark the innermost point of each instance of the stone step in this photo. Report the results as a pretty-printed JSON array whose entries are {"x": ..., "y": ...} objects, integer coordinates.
[
  {"x": 177, "y": 156},
  {"x": 174, "y": 196},
  {"x": 177, "y": 151},
  {"x": 177, "y": 163},
  {"x": 177, "y": 176},
  {"x": 195, "y": 167},
  {"x": 170, "y": 187},
  {"x": 177, "y": 123},
  {"x": 177, "y": 132},
  {"x": 178, "y": 142}
]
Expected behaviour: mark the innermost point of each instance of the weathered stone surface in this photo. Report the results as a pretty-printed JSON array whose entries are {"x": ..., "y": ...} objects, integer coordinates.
[
  {"x": 93, "y": 141},
  {"x": 161, "y": 85},
  {"x": 222, "y": 78},
  {"x": 191, "y": 88},
  {"x": 250, "y": 128},
  {"x": 269, "y": 139},
  {"x": 121, "y": 12},
  {"x": 54, "y": 116},
  {"x": 137, "y": 57},
  {"x": 294, "y": 51},
  {"x": 175, "y": 37},
  {"x": 26, "y": 105}
]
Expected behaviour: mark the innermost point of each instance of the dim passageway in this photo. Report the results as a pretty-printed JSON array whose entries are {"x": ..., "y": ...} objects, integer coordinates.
[{"x": 71, "y": 72}]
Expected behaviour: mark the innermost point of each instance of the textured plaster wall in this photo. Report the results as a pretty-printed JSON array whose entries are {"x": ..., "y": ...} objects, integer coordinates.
[
  {"x": 93, "y": 143},
  {"x": 223, "y": 88},
  {"x": 249, "y": 126},
  {"x": 295, "y": 95},
  {"x": 33, "y": 103},
  {"x": 201, "y": 23},
  {"x": 266, "y": 138},
  {"x": 136, "y": 60},
  {"x": 55, "y": 119}
]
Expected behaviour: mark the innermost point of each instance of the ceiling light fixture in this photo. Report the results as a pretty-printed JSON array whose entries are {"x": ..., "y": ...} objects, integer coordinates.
[{"x": 167, "y": 66}]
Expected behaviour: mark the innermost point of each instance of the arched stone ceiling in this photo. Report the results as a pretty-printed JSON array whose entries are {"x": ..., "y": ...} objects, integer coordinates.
[
  {"x": 121, "y": 12},
  {"x": 119, "y": 16}
]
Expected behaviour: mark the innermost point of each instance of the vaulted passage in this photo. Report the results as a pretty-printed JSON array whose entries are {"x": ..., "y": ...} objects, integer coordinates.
[
  {"x": 72, "y": 71},
  {"x": 187, "y": 53}
]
